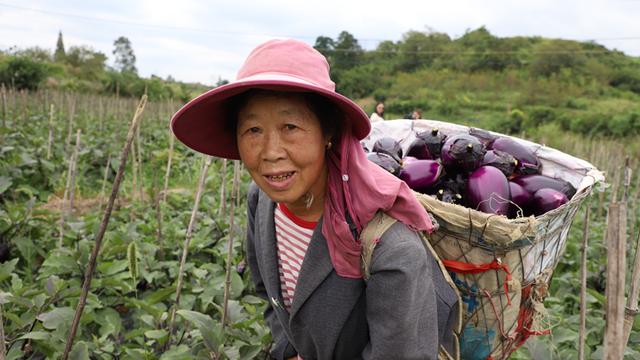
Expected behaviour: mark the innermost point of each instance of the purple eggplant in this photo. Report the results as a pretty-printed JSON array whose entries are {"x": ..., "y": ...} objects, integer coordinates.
[
  {"x": 433, "y": 139},
  {"x": 419, "y": 149},
  {"x": 527, "y": 161},
  {"x": 385, "y": 161},
  {"x": 421, "y": 174},
  {"x": 483, "y": 135},
  {"x": 501, "y": 160},
  {"x": 519, "y": 197},
  {"x": 488, "y": 191},
  {"x": 462, "y": 153},
  {"x": 389, "y": 146},
  {"x": 408, "y": 159},
  {"x": 547, "y": 199},
  {"x": 532, "y": 183}
]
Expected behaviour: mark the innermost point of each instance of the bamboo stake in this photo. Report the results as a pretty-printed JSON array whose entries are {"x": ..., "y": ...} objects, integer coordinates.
[
  {"x": 86, "y": 284},
  {"x": 583, "y": 284},
  {"x": 139, "y": 161},
  {"x": 631, "y": 310},
  {"x": 72, "y": 112},
  {"x": 72, "y": 188},
  {"x": 50, "y": 138},
  {"x": 223, "y": 192},
  {"x": 187, "y": 240},
  {"x": 614, "y": 292},
  {"x": 5, "y": 112},
  {"x": 168, "y": 171},
  {"x": 134, "y": 164},
  {"x": 227, "y": 281},
  {"x": 104, "y": 182}
]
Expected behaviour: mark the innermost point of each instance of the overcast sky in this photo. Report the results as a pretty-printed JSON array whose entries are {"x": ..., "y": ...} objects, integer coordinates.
[{"x": 201, "y": 41}]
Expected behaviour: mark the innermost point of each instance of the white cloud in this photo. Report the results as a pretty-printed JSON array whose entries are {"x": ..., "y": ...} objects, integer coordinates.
[{"x": 196, "y": 40}]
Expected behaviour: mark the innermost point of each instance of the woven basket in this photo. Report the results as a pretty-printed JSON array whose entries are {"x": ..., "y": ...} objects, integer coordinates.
[{"x": 501, "y": 267}]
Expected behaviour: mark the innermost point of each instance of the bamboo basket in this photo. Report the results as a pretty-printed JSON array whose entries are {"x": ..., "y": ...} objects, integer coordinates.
[{"x": 502, "y": 267}]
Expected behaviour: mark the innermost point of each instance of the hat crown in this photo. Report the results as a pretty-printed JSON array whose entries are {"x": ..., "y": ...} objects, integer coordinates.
[{"x": 288, "y": 57}]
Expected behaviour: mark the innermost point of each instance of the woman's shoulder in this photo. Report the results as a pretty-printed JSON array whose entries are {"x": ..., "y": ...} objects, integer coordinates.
[{"x": 400, "y": 240}]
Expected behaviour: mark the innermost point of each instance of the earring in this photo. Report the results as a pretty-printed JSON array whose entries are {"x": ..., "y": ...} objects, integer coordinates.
[{"x": 329, "y": 144}]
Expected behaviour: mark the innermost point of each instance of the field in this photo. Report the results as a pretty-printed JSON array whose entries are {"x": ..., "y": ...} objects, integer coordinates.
[{"x": 171, "y": 259}]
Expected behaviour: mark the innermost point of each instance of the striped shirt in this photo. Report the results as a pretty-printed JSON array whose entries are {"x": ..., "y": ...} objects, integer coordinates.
[{"x": 292, "y": 237}]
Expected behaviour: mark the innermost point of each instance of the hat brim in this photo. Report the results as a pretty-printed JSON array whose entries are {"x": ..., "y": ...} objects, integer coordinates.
[{"x": 200, "y": 124}]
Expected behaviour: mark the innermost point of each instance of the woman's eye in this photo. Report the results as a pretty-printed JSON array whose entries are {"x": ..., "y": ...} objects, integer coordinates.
[
  {"x": 290, "y": 127},
  {"x": 253, "y": 130}
]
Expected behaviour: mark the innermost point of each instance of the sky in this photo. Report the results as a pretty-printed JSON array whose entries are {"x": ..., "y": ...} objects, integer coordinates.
[{"x": 204, "y": 41}]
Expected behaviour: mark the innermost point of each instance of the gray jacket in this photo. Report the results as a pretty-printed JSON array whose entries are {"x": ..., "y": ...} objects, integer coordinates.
[{"x": 404, "y": 311}]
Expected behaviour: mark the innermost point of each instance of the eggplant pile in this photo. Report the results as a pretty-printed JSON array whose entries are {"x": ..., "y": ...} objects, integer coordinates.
[{"x": 479, "y": 170}]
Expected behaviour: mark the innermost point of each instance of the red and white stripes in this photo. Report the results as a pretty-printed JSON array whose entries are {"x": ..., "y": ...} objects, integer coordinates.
[{"x": 292, "y": 236}]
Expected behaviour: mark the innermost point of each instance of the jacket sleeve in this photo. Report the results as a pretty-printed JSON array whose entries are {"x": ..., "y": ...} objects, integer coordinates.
[
  {"x": 401, "y": 300},
  {"x": 281, "y": 348}
]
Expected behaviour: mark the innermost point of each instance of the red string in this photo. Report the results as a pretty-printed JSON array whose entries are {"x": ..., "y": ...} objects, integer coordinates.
[{"x": 467, "y": 268}]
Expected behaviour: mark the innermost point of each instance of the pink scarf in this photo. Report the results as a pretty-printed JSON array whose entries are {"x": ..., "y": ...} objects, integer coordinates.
[{"x": 362, "y": 188}]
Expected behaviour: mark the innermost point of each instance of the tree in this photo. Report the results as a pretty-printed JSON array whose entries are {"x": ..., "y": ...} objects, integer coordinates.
[
  {"x": 125, "y": 58},
  {"x": 325, "y": 46},
  {"x": 60, "y": 54},
  {"x": 347, "y": 51},
  {"x": 86, "y": 62}
]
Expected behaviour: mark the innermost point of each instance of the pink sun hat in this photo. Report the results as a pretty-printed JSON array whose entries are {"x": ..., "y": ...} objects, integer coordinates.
[{"x": 283, "y": 65}]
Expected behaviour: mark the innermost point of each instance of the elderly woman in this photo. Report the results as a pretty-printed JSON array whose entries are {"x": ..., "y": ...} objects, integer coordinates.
[{"x": 313, "y": 193}]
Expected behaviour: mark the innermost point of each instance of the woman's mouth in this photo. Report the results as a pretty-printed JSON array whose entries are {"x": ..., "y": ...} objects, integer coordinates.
[
  {"x": 280, "y": 177},
  {"x": 280, "y": 181}
]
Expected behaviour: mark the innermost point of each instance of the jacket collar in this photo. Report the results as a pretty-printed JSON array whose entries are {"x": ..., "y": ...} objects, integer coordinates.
[{"x": 315, "y": 267}]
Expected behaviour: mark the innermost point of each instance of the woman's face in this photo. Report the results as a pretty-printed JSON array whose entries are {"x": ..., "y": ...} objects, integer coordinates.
[
  {"x": 281, "y": 143},
  {"x": 380, "y": 108}
]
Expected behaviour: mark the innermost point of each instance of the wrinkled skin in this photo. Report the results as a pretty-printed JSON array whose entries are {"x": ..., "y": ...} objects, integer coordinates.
[{"x": 278, "y": 134}]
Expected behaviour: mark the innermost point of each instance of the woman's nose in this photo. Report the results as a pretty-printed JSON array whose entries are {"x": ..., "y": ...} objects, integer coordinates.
[{"x": 273, "y": 147}]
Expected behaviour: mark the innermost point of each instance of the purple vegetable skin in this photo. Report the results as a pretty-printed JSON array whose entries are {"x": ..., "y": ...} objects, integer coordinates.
[
  {"x": 488, "y": 191},
  {"x": 527, "y": 161},
  {"x": 501, "y": 160},
  {"x": 546, "y": 200},
  {"x": 421, "y": 174},
  {"x": 389, "y": 146},
  {"x": 419, "y": 149},
  {"x": 534, "y": 182},
  {"x": 385, "y": 161},
  {"x": 520, "y": 197},
  {"x": 462, "y": 153},
  {"x": 433, "y": 139},
  {"x": 408, "y": 159}
]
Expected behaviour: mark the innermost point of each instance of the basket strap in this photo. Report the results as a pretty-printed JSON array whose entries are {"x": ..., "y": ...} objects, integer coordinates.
[{"x": 369, "y": 238}]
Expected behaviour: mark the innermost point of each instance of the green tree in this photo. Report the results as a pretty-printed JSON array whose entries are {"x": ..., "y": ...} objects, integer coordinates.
[
  {"x": 125, "y": 58},
  {"x": 325, "y": 46},
  {"x": 348, "y": 51},
  {"x": 86, "y": 63},
  {"x": 418, "y": 49},
  {"x": 22, "y": 73},
  {"x": 550, "y": 56},
  {"x": 60, "y": 54}
]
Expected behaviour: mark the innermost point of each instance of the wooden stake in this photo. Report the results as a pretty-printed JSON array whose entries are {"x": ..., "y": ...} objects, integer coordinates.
[
  {"x": 104, "y": 181},
  {"x": 631, "y": 310},
  {"x": 50, "y": 139},
  {"x": 5, "y": 112},
  {"x": 227, "y": 282},
  {"x": 88, "y": 275},
  {"x": 187, "y": 240},
  {"x": 72, "y": 188},
  {"x": 614, "y": 292},
  {"x": 583, "y": 283},
  {"x": 223, "y": 191},
  {"x": 165, "y": 188},
  {"x": 139, "y": 161},
  {"x": 72, "y": 112}
]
